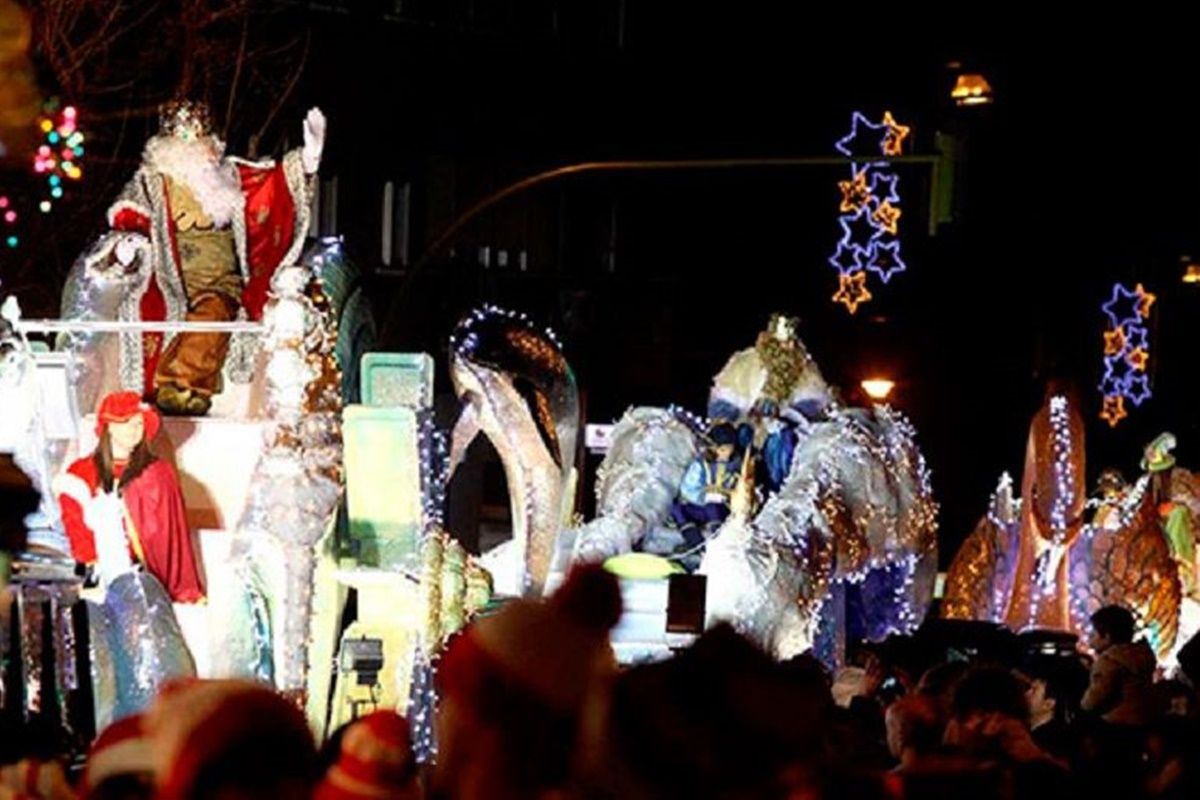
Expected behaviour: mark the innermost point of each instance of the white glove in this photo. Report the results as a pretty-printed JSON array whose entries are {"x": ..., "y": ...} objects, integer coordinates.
[
  {"x": 127, "y": 248},
  {"x": 314, "y": 140},
  {"x": 105, "y": 515}
]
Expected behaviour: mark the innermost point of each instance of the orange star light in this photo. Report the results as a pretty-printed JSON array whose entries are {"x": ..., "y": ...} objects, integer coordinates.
[
  {"x": 1114, "y": 409},
  {"x": 852, "y": 290},
  {"x": 893, "y": 140},
  {"x": 855, "y": 193},
  {"x": 1114, "y": 341},
  {"x": 1137, "y": 359},
  {"x": 887, "y": 215},
  {"x": 1145, "y": 300}
]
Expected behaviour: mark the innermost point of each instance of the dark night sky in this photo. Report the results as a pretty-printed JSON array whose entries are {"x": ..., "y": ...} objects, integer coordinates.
[{"x": 1084, "y": 172}]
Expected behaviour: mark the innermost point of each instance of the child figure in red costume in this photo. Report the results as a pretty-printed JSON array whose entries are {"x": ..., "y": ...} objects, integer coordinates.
[{"x": 122, "y": 507}]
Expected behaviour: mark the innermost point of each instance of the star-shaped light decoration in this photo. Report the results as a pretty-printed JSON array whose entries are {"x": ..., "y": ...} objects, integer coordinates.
[
  {"x": 848, "y": 258},
  {"x": 884, "y": 187},
  {"x": 1145, "y": 300},
  {"x": 1137, "y": 387},
  {"x": 886, "y": 216},
  {"x": 850, "y": 143},
  {"x": 855, "y": 192},
  {"x": 1125, "y": 306},
  {"x": 893, "y": 138},
  {"x": 1137, "y": 358},
  {"x": 1113, "y": 410},
  {"x": 858, "y": 228},
  {"x": 852, "y": 291},
  {"x": 1114, "y": 341},
  {"x": 884, "y": 259},
  {"x": 1126, "y": 351}
]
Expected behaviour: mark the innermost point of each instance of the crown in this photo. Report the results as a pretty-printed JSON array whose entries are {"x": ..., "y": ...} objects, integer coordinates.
[
  {"x": 186, "y": 119},
  {"x": 782, "y": 327}
]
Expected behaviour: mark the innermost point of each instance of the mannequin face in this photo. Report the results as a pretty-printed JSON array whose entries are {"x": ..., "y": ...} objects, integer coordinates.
[{"x": 124, "y": 436}]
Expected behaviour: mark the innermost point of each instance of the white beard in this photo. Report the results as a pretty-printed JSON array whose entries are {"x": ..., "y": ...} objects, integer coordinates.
[{"x": 197, "y": 165}]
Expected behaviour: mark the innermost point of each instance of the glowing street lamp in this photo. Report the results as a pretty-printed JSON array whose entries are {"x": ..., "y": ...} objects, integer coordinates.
[
  {"x": 971, "y": 89},
  {"x": 1191, "y": 272},
  {"x": 878, "y": 388}
]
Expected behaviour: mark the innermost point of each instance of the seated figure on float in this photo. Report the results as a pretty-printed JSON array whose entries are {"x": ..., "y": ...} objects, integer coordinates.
[
  {"x": 1176, "y": 495},
  {"x": 122, "y": 506},
  {"x": 846, "y": 509},
  {"x": 1038, "y": 563}
]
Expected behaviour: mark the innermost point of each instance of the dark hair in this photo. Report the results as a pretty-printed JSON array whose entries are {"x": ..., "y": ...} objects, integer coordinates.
[
  {"x": 127, "y": 786},
  {"x": 723, "y": 434},
  {"x": 987, "y": 690},
  {"x": 139, "y": 459},
  {"x": 1115, "y": 622},
  {"x": 1066, "y": 679}
]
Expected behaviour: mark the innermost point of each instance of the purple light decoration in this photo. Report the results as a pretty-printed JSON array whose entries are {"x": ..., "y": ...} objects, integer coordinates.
[
  {"x": 846, "y": 144},
  {"x": 848, "y": 258},
  {"x": 865, "y": 243},
  {"x": 876, "y": 185},
  {"x": 1127, "y": 310},
  {"x": 1112, "y": 309},
  {"x": 885, "y": 259}
]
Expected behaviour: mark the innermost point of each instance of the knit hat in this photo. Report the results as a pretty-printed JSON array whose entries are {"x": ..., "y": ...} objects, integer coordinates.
[
  {"x": 376, "y": 761},
  {"x": 121, "y": 407},
  {"x": 237, "y": 732},
  {"x": 551, "y": 648},
  {"x": 122, "y": 749}
]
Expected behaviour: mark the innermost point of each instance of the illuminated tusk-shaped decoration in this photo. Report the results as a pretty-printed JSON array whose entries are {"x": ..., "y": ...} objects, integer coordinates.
[{"x": 518, "y": 390}]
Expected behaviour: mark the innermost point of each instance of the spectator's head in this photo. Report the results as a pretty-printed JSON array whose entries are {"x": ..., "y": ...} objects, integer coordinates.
[
  {"x": 990, "y": 690},
  {"x": 1111, "y": 625},
  {"x": 913, "y": 726},
  {"x": 514, "y": 685},
  {"x": 939, "y": 684},
  {"x": 376, "y": 762},
  {"x": 229, "y": 740},
  {"x": 720, "y": 719},
  {"x": 1054, "y": 687},
  {"x": 120, "y": 764}
]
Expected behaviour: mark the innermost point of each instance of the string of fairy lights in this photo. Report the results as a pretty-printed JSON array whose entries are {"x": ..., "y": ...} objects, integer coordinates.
[{"x": 56, "y": 160}]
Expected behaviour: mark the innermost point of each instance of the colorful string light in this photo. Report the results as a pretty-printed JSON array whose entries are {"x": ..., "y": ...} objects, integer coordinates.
[
  {"x": 57, "y": 158},
  {"x": 1126, "y": 351},
  {"x": 869, "y": 210}
]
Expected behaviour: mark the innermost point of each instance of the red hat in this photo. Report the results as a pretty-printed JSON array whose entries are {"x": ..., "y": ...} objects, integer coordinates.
[
  {"x": 376, "y": 761},
  {"x": 121, "y": 749},
  {"x": 121, "y": 407},
  {"x": 236, "y": 730},
  {"x": 552, "y": 648}
]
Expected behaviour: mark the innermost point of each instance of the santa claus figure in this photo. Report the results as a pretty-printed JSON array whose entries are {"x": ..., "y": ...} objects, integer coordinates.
[
  {"x": 200, "y": 234},
  {"x": 122, "y": 507}
]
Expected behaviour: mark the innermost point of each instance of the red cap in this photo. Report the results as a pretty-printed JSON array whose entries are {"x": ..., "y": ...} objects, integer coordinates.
[
  {"x": 376, "y": 761},
  {"x": 122, "y": 407},
  {"x": 120, "y": 750}
]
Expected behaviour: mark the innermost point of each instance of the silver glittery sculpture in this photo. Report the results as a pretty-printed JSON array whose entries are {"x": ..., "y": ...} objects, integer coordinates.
[
  {"x": 853, "y": 515},
  {"x": 518, "y": 390}
]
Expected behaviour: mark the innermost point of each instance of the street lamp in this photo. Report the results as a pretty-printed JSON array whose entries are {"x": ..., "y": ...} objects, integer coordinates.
[{"x": 878, "y": 388}]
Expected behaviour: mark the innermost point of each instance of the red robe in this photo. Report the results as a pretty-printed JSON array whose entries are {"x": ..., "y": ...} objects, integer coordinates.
[
  {"x": 155, "y": 524},
  {"x": 274, "y": 224}
]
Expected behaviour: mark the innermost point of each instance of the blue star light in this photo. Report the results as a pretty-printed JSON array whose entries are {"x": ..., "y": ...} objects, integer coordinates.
[
  {"x": 1122, "y": 307},
  {"x": 848, "y": 258},
  {"x": 849, "y": 143},
  {"x": 885, "y": 259},
  {"x": 881, "y": 179}
]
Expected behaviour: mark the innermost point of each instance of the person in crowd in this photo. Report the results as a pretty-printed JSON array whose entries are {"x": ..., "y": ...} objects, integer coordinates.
[
  {"x": 1119, "y": 688},
  {"x": 375, "y": 762},
  {"x": 513, "y": 688}
]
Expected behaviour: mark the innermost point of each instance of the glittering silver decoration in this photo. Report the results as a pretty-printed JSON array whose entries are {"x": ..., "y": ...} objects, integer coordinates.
[
  {"x": 293, "y": 494},
  {"x": 518, "y": 390},
  {"x": 650, "y": 450},
  {"x": 136, "y": 644}
]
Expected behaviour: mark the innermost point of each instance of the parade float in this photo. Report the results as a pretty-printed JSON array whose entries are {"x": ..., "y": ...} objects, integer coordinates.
[
  {"x": 209, "y": 361},
  {"x": 1051, "y": 557}
]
